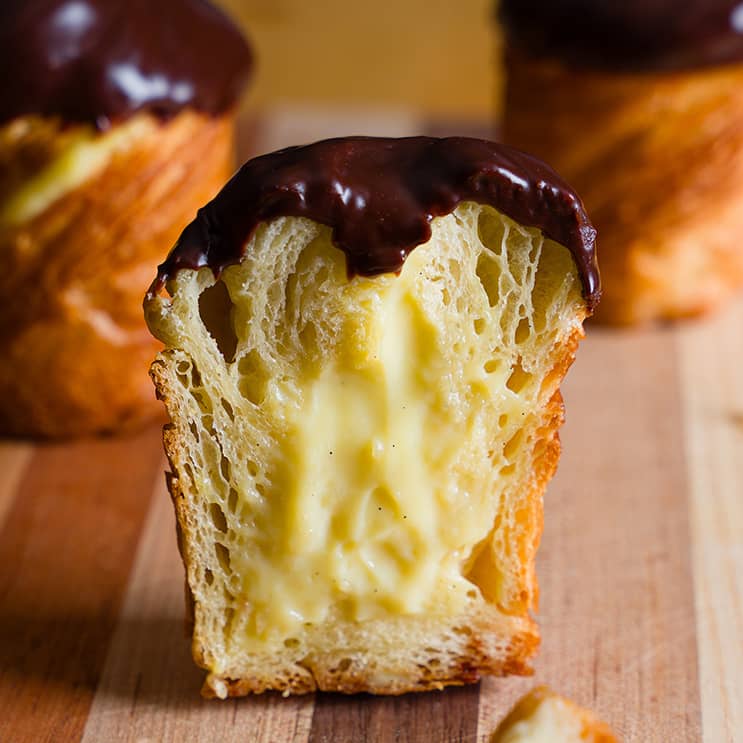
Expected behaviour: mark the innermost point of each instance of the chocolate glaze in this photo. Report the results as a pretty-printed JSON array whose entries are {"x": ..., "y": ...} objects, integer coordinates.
[
  {"x": 99, "y": 61},
  {"x": 378, "y": 196},
  {"x": 628, "y": 34}
]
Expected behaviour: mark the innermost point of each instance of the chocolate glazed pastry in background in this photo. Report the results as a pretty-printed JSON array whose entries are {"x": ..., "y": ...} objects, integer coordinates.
[
  {"x": 116, "y": 123},
  {"x": 639, "y": 106}
]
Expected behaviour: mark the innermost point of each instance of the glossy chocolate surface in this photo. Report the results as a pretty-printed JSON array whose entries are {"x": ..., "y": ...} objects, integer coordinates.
[
  {"x": 99, "y": 61},
  {"x": 628, "y": 34},
  {"x": 378, "y": 196}
]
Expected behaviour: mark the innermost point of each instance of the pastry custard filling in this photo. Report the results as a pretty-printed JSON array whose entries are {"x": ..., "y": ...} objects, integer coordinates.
[
  {"x": 364, "y": 447},
  {"x": 83, "y": 154},
  {"x": 369, "y": 509}
]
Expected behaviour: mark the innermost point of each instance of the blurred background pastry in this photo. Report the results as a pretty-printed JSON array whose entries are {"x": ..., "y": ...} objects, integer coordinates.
[
  {"x": 116, "y": 123},
  {"x": 639, "y": 106}
]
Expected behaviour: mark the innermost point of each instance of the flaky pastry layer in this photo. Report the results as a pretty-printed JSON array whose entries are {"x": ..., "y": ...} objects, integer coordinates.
[{"x": 82, "y": 228}]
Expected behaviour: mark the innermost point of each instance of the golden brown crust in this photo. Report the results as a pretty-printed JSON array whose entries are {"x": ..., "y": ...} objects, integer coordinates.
[
  {"x": 325, "y": 676},
  {"x": 546, "y": 457},
  {"x": 592, "y": 730},
  {"x": 75, "y": 347},
  {"x": 658, "y": 160}
]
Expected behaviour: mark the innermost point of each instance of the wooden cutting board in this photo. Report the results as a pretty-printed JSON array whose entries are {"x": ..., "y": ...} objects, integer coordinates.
[{"x": 641, "y": 565}]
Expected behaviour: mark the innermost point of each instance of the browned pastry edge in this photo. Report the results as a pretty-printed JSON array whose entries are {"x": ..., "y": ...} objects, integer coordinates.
[
  {"x": 322, "y": 675},
  {"x": 592, "y": 729},
  {"x": 658, "y": 161},
  {"x": 75, "y": 347},
  {"x": 518, "y": 633},
  {"x": 548, "y": 449}
]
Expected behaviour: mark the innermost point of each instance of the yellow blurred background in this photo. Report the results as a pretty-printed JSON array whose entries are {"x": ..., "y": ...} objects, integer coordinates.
[{"x": 426, "y": 55}]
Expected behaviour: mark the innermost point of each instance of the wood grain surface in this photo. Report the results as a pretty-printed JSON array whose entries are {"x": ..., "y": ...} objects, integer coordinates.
[{"x": 641, "y": 565}]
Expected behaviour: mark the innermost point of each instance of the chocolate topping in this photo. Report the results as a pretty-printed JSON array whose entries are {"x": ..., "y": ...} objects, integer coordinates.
[
  {"x": 628, "y": 34},
  {"x": 378, "y": 196},
  {"x": 102, "y": 60}
]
